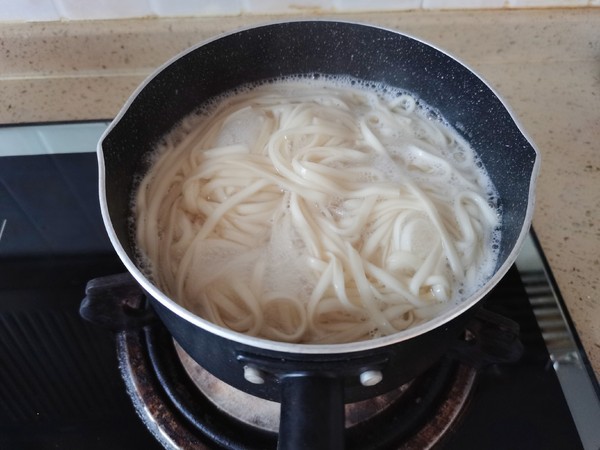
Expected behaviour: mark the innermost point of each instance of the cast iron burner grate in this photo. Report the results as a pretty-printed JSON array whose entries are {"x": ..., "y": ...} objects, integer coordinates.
[
  {"x": 417, "y": 415},
  {"x": 179, "y": 415}
]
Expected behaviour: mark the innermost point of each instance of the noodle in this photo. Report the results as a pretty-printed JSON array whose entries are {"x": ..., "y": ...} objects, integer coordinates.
[{"x": 317, "y": 214}]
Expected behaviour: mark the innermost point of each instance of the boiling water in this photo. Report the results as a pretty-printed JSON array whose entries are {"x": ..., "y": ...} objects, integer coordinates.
[{"x": 420, "y": 152}]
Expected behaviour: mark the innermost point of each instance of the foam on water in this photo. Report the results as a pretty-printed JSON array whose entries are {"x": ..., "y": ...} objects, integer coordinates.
[{"x": 286, "y": 259}]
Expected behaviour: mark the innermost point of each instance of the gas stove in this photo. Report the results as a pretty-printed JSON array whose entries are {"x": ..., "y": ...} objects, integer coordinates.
[{"x": 70, "y": 384}]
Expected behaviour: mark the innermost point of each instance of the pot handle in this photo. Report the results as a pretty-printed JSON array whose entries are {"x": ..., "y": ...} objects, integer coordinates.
[{"x": 312, "y": 412}]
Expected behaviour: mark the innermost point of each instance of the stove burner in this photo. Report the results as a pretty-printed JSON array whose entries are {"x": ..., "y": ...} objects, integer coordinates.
[
  {"x": 182, "y": 405},
  {"x": 263, "y": 413}
]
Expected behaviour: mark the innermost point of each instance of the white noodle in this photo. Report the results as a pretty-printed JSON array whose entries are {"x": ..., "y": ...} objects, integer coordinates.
[{"x": 320, "y": 214}]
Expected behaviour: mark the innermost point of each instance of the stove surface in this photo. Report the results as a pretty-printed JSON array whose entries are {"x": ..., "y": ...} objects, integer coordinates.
[{"x": 60, "y": 385}]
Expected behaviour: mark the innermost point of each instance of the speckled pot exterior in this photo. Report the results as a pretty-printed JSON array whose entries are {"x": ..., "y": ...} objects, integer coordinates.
[{"x": 313, "y": 49}]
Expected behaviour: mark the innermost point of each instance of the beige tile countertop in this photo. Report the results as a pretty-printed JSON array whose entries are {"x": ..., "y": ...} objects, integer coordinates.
[{"x": 544, "y": 63}]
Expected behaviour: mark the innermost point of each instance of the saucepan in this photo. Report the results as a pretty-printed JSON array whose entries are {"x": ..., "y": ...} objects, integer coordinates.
[{"x": 313, "y": 381}]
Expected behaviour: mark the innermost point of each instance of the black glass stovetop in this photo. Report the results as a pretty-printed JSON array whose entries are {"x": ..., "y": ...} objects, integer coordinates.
[{"x": 60, "y": 387}]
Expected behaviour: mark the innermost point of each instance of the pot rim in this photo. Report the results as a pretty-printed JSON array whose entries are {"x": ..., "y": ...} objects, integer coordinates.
[{"x": 314, "y": 349}]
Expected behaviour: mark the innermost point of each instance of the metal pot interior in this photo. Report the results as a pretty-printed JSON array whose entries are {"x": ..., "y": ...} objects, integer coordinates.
[{"x": 318, "y": 47}]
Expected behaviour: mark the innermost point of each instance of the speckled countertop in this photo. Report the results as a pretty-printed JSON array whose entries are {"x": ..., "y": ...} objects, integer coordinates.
[{"x": 545, "y": 63}]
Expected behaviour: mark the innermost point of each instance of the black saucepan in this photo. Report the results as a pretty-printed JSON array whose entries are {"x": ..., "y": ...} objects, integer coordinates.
[{"x": 313, "y": 381}]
